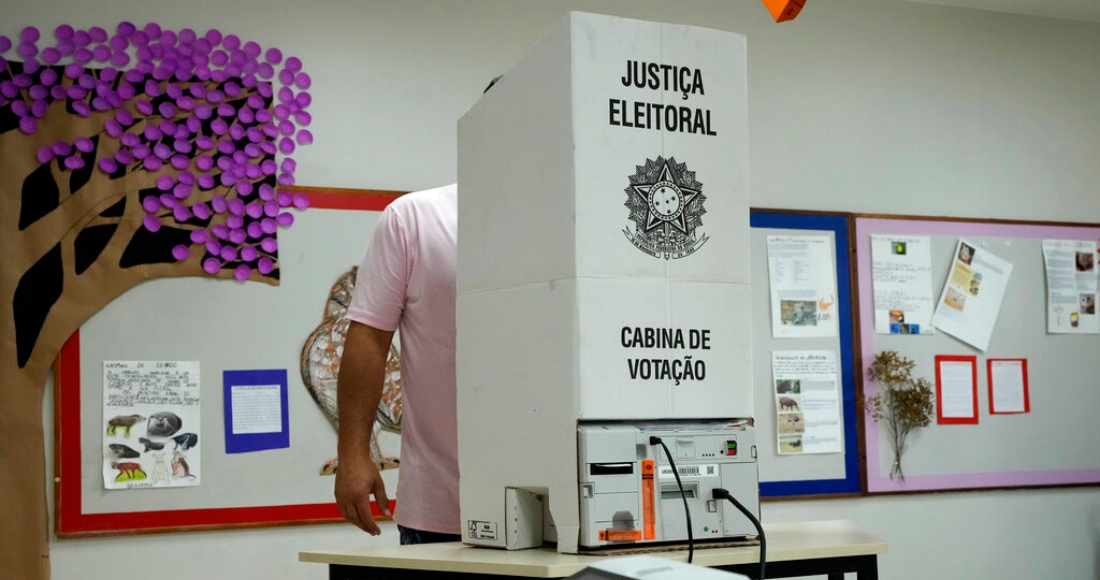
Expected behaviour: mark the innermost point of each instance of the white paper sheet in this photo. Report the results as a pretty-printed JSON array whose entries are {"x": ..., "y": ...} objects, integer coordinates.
[
  {"x": 807, "y": 402},
  {"x": 972, "y": 294},
  {"x": 901, "y": 270},
  {"x": 802, "y": 273},
  {"x": 1008, "y": 385},
  {"x": 151, "y": 424},
  {"x": 957, "y": 390},
  {"x": 1072, "y": 284}
]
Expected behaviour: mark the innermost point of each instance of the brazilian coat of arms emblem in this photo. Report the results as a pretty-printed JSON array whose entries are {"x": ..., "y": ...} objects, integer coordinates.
[{"x": 666, "y": 205}]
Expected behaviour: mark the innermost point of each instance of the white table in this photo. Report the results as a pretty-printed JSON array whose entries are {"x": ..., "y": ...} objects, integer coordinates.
[{"x": 828, "y": 548}]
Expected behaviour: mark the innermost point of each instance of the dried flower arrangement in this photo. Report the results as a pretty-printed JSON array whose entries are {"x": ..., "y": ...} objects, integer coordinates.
[{"x": 900, "y": 403}]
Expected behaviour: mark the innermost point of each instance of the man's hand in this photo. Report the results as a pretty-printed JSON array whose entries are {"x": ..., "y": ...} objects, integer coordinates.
[
  {"x": 357, "y": 479},
  {"x": 358, "y": 390}
]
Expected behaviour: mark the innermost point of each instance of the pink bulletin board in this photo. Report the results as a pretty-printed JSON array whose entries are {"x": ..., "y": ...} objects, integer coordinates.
[{"x": 1053, "y": 443}]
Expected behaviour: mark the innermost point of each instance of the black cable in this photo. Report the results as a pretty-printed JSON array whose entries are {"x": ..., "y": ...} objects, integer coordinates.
[
  {"x": 719, "y": 493},
  {"x": 654, "y": 440}
]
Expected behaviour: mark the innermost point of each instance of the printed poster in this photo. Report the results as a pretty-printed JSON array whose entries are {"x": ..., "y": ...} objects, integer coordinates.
[
  {"x": 807, "y": 401},
  {"x": 972, "y": 295},
  {"x": 802, "y": 273},
  {"x": 901, "y": 281},
  {"x": 1072, "y": 280},
  {"x": 151, "y": 424}
]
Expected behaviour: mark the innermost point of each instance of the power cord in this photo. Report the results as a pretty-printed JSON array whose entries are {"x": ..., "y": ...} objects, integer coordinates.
[
  {"x": 654, "y": 440},
  {"x": 719, "y": 493}
]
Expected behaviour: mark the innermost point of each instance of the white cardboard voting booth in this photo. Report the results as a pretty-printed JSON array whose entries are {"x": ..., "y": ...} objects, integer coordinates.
[{"x": 603, "y": 259}]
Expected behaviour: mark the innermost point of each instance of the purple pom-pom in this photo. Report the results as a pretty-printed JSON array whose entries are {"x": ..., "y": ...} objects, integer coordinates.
[
  {"x": 27, "y": 49},
  {"x": 219, "y": 204},
  {"x": 211, "y": 265},
  {"x": 108, "y": 165},
  {"x": 181, "y": 252},
  {"x": 181, "y": 213},
  {"x": 151, "y": 163},
  {"x": 242, "y": 272},
  {"x": 181, "y": 191},
  {"x": 202, "y": 211},
  {"x": 265, "y": 265},
  {"x": 39, "y": 108},
  {"x": 51, "y": 55},
  {"x": 151, "y": 222},
  {"x": 274, "y": 55}
]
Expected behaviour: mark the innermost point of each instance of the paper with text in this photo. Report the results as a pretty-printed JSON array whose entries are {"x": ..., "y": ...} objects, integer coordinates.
[{"x": 802, "y": 273}]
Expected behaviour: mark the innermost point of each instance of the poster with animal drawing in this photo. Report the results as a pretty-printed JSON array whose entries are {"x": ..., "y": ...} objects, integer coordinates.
[
  {"x": 807, "y": 401},
  {"x": 803, "y": 286},
  {"x": 320, "y": 366},
  {"x": 150, "y": 424}
]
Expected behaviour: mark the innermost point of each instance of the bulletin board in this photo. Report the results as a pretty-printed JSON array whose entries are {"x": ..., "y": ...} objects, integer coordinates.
[
  {"x": 225, "y": 325},
  {"x": 239, "y": 326},
  {"x": 1053, "y": 443},
  {"x": 804, "y": 475}
]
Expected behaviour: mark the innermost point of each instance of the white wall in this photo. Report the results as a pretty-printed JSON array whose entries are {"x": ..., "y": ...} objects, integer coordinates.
[{"x": 858, "y": 105}]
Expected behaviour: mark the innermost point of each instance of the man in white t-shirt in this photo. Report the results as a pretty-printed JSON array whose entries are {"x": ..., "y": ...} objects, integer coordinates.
[{"x": 406, "y": 282}]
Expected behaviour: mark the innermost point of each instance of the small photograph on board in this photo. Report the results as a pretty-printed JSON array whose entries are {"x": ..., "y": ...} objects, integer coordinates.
[
  {"x": 798, "y": 312},
  {"x": 966, "y": 253},
  {"x": 788, "y": 403},
  {"x": 788, "y": 386},
  {"x": 899, "y": 326},
  {"x": 790, "y": 423},
  {"x": 1085, "y": 262},
  {"x": 1088, "y": 303},
  {"x": 955, "y": 299},
  {"x": 790, "y": 444},
  {"x": 975, "y": 283}
]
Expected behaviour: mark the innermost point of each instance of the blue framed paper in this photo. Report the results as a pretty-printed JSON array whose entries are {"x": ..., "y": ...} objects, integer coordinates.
[{"x": 256, "y": 413}]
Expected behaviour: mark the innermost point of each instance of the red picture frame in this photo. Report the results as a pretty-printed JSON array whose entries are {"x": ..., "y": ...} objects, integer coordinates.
[
  {"x": 954, "y": 420},
  {"x": 70, "y": 520}
]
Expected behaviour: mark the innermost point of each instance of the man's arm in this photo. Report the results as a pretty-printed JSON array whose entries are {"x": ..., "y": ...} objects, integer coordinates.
[{"x": 358, "y": 391}]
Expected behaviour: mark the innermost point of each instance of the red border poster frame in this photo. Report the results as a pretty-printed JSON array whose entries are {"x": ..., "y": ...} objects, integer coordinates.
[
  {"x": 940, "y": 419},
  {"x": 70, "y": 521},
  {"x": 989, "y": 381}
]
